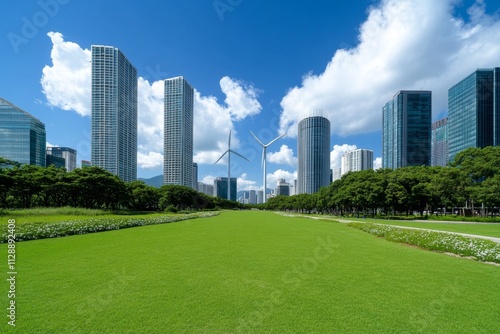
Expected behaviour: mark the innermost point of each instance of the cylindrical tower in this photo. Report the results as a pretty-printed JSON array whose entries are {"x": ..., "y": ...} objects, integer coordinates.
[{"x": 314, "y": 154}]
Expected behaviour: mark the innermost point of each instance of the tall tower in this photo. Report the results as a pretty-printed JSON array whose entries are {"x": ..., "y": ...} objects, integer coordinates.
[
  {"x": 406, "y": 130},
  {"x": 313, "y": 154},
  {"x": 440, "y": 143},
  {"x": 22, "y": 136},
  {"x": 114, "y": 112},
  {"x": 178, "y": 132},
  {"x": 474, "y": 111}
]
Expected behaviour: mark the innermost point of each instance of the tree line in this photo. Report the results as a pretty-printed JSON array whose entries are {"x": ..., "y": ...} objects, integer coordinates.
[
  {"x": 27, "y": 186},
  {"x": 471, "y": 181}
]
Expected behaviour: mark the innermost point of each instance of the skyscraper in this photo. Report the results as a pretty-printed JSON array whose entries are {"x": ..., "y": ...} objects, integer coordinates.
[
  {"x": 282, "y": 188},
  {"x": 114, "y": 112},
  {"x": 474, "y": 111},
  {"x": 67, "y": 153},
  {"x": 178, "y": 132},
  {"x": 439, "y": 146},
  {"x": 313, "y": 154},
  {"x": 357, "y": 160},
  {"x": 406, "y": 130},
  {"x": 22, "y": 136},
  {"x": 220, "y": 188}
]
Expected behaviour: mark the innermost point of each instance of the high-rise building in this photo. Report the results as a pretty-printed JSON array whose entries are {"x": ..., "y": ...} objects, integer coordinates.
[
  {"x": 440, "y": 143},
  {"x": 474, "y": 112},
  {"x": 406, "y": 130},
  {"x": 207, "y": 189},
  {"x": 357, "y": 160},
  {"x": 313, "y": 154},
  {"x": 22, "y": 136},
  {"x": 53, "y": 160},
  {"x": 282, "y": 188},
  {"x": 114, "y": 112},
  {"x": 220, "y": 188},
  {"x": 67, "y": 153},
  {"x": 178, "y": 132},
  {"x": 195, "y": 175},
  {"x": 260, "y": 197}
]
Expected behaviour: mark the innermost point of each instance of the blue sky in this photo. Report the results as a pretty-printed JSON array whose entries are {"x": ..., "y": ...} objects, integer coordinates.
[{"x": 256, "y": 65}]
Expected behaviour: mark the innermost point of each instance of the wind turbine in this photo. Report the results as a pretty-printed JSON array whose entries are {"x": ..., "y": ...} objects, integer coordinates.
[
  {"x": 229, "y": 151},
  {"x": 263, "y": 163}
]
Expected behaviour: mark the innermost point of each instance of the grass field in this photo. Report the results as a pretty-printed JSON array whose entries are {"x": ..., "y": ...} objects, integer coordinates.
[{"x": 247, "y": 272}]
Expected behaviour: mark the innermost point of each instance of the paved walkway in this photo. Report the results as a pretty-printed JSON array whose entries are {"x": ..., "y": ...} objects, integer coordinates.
[{"x": 345, "y": 221}]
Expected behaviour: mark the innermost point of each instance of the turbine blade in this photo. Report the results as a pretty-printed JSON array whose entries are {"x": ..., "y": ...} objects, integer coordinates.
[
  {"x": 275, "y": 139},
  {"x": 257, "y": 139},
  {"x": 223, "y": 154},
  {"x": 229, "y": 141},
  {"x": 239, "y": 155}
]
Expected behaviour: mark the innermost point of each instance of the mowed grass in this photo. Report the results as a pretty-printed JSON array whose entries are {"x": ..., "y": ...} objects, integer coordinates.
[
  {"x": 487, "y": 229},
  {"x": 247, "y": 272}
]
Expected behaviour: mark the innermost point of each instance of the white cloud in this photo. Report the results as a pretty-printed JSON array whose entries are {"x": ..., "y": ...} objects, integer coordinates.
[
  {"x": 377, "y": 163},
  {"x": 241, "y": 99},
  {"x": 403, "y": 44},
  {"x": 272, "y": 178},
  {"x": 47, "y": 144},
  {"x": 208, "y": 179},
  {"x": 337, "y": 153},
  {"x": 283, "y": 156},
  {"x": 245, "y": 184},
  {"x": 149, "y": 160},
  {"x": 66, "y": 83}
]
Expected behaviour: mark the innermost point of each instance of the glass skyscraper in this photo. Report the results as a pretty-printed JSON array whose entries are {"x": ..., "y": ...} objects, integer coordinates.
[
  {"x": 114, "y": 112},
  {"x": 313, "y": 154},
  {"x": 220, "y": 188},
  {"x": 22, "y": 136},
  {"x": 67, "y": 153},
  {"x": 406, "y": 130},
  {"x": 439, "y": 145},
  {"x": 178, "y": 133},
  {"x": 474, "y": 111}
]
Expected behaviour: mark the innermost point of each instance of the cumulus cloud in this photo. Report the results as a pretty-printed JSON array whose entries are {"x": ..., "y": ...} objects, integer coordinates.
[
  {"x": 284, "y": 156},
  {"x": 241, "y": 99},
  {"x": 245, "y": 184},
  {"x": 67, "y": 85},
  {"x": 47, "y": 144},
  {"x": 377, "y": 163},
  {"x": 272, "y": 178},
  {"x": 403, "y": 44},
  {"x": 337, "y": 153}
]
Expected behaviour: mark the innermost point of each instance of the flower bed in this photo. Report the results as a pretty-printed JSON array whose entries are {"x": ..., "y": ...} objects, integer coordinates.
[
  {"x": 32, "y": 231},
  {"x": 480, "y": 249}
]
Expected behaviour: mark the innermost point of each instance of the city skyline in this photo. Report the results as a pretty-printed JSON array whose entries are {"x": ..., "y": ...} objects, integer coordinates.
[{"x": 351, "y": 59}]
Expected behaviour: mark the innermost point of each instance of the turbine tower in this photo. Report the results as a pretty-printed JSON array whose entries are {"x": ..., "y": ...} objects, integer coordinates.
[
  {"x": 229, "y": 151},
  {"x": 263, "y": 163}
]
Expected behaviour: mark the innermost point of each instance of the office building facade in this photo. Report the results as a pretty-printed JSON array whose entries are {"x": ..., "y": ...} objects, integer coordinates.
[
  {"x": 474, "y": 112},
  {"x": 220, "y": 188},
  {"x": 313, "y": 154},
  {"x": 282, "y": 188},
  {"x": 22, "y": 136},
  {"x": 53, "y": 160},
  {"x": 406, "y": 130},
  {"x": 439, "y": 145},
  {"x": 357, "y": 160},
  {"x": 68, "y": 154},
  {"x": 178, "y": 132},
  {"x": 114, "y": 112}
]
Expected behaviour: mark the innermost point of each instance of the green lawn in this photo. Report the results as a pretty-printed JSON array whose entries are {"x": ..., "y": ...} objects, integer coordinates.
[
  {"x": 488, "y": 229},
  {"x": 247, "y": 272}
]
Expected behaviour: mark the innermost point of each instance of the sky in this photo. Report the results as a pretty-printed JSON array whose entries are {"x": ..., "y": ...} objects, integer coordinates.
[{"x": 256, "y": 65}]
